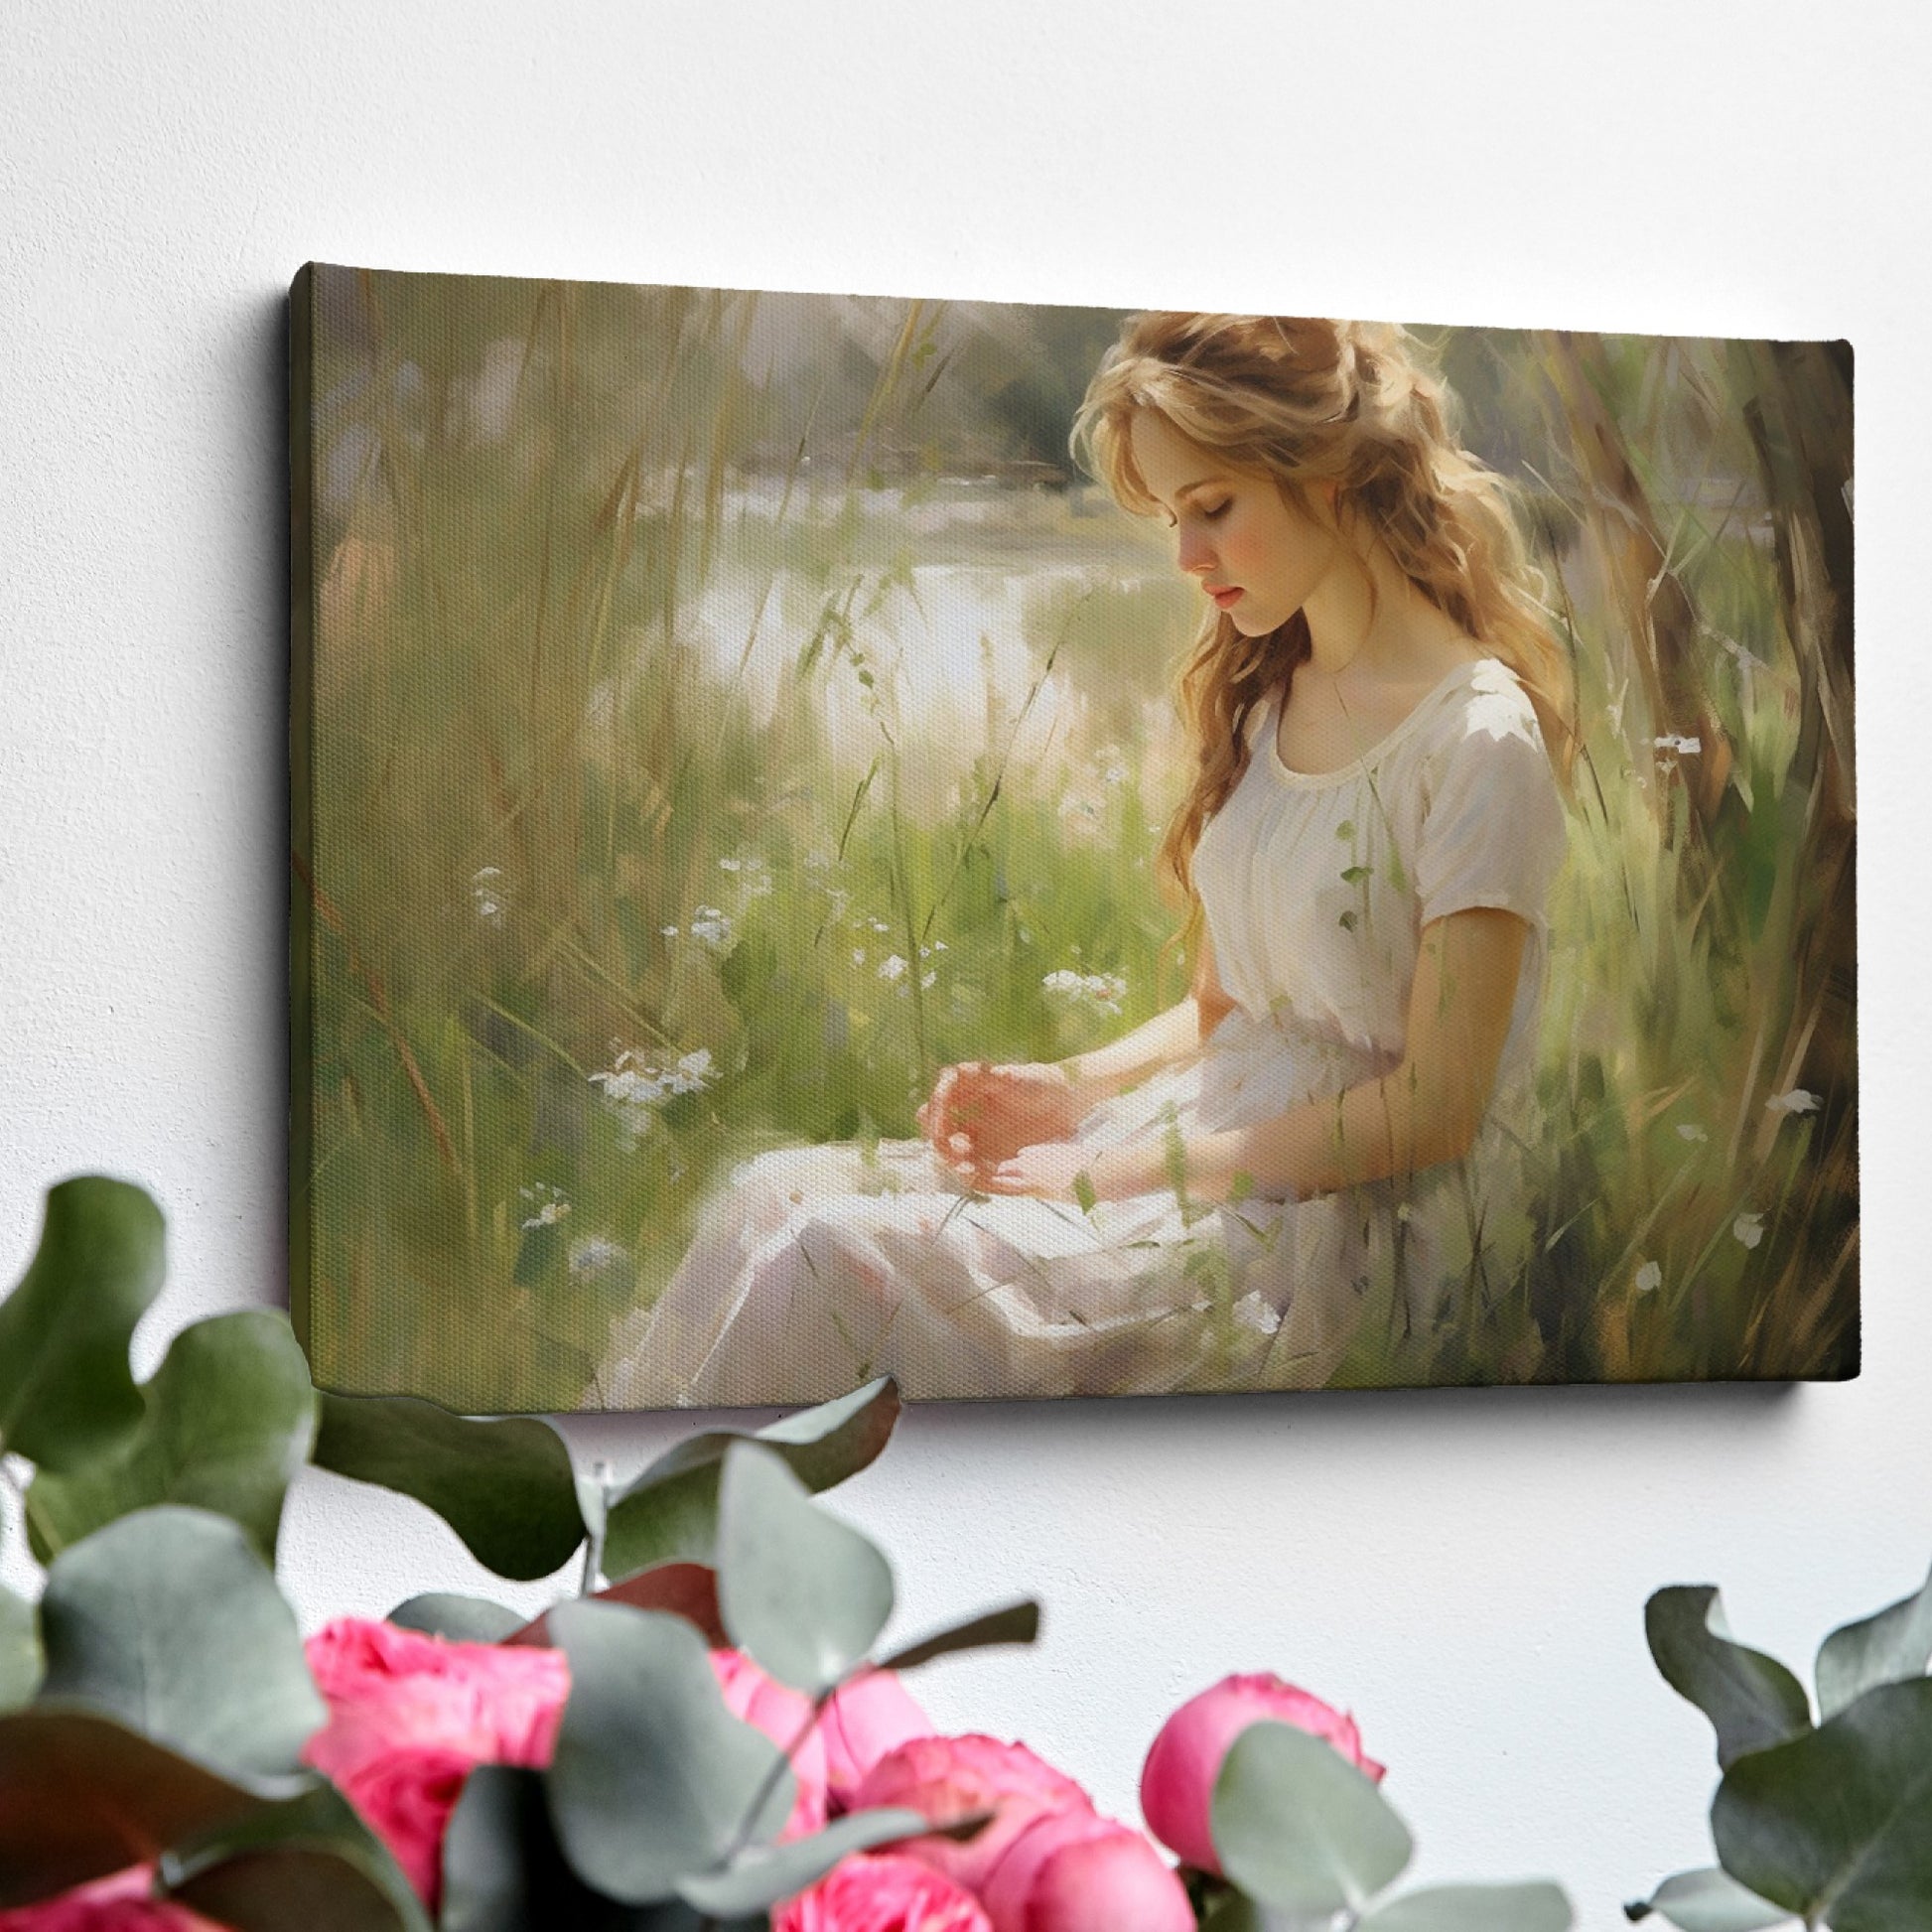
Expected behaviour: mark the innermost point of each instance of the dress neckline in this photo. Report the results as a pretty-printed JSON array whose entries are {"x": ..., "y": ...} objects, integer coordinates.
[{"x": 1315, "y": 780}]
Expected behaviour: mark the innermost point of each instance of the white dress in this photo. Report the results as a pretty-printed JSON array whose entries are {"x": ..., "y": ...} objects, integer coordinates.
[{"x": 818, "y": 1266}]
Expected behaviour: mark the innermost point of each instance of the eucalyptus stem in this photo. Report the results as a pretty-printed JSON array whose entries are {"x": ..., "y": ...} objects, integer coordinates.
[
  {"x": 12, "y": 1482},
  {"x": 769, "y": 1782},
  {"x": 600, "y": 1473}
]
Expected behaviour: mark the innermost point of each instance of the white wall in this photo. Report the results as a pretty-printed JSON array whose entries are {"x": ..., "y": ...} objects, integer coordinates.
[{"x": 1467, "y": 1569}]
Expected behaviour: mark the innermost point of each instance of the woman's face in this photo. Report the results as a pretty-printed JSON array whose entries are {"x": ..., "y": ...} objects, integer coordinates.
[{"x": 1256, "y": 556}]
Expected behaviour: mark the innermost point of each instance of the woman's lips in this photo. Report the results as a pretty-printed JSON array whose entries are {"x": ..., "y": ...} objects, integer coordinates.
[{"x": 1226, "y": 598}]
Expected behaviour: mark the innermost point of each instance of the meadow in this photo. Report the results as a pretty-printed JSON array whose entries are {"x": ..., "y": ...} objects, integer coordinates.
[{"x": 715, "y": 713}]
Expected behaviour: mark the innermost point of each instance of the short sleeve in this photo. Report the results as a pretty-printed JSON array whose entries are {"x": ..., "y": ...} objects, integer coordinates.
[{"x": 1494, "y": 828}]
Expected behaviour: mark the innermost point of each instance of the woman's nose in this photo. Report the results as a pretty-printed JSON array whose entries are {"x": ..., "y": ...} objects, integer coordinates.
[{"x": 1193, "y": 553}]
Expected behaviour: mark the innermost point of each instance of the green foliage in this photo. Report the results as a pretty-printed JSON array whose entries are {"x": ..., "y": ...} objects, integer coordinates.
[
  {"x": 1709, "y": 1900},
  {"x": 227, "y": 1424},
  {"x": 309, "y": 1861},
  {"x": 1302, "y": 1832},
  {"x": 1830, "y": 1825},
  {"x": 669, "y": 1513},
  {"x": 1837, "y": 1826},
  {"x": 506, "y": 1488},
  {"x": 65, "y": 1392},
  {"x": 20, "y": 1651},
  {"x": 653, "y": 1779},
  {"x": 463, "y": 1619},
  {"x": 1298, "y": 1828},
  {"x": 802, "y": 1595},
  {"x": 116, "y": 1620},
  {"x": 1751, "y": 1699},
  {"x": 1015, "y": 1623},
  {"x": 1536, "y": 1906},
  {"x": 762, "y": 1875},
  {"x": 1894, "y": 1645},
  {"x": 83, "y": 1795}
]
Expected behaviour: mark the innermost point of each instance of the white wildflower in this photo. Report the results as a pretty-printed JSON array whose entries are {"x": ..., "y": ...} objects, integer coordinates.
[
  {"x": 858, "y": 956},
  {"x": 1749, "y": 1229},
  {"x": 1650, "y": 1277},
  {"x": 634, "y": 1092},
  {"x": 1685, "y": 748},
  {"x": 711, "y": 927},
  {"x": 692, "y": 1073},
  {"x": 1689, "y": 1130},
  {"x": 1253, "y": 1312},
  {"x": 892, "y": 967},
  {"x": 670, "y": 931},
  {"x": 549, "y": 1203},
  {"x": 1797, "y": 1101},
  {"x": 1102, "y": 991},
  {"x": 487, "y": 895},
  {"x": 596, "y": 1255},
  {"x": 927, "y": 980},
  {"x": 731, "y": 865}
]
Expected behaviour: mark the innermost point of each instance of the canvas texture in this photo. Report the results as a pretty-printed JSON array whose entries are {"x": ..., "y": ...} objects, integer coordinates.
[{"x": 717, "y": 712}]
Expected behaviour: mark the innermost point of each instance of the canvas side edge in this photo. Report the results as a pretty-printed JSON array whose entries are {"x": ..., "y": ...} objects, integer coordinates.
[{"x": 302, "y": 934}]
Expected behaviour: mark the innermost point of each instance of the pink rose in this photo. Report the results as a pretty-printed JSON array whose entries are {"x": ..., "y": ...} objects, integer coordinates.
[
  {"x": 1177, "y": 1781},
  {"x": 784, "y": 1715},
  {"x": 409, "y": 1714},
  {"x": 405, "y": 1797},
  {"x": 946, "y": 1778},
  {"x": 1074, "y": 1872},
  {"x": 121, "y": 1903},
  {"x": 386, "y": 1687},
  {"x": 881, "y": 1892},
  {"x": 862, "y": 1720}
]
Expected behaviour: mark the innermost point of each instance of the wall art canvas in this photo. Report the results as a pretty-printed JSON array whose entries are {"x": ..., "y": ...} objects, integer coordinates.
[{"x": 1060, "y": 852}]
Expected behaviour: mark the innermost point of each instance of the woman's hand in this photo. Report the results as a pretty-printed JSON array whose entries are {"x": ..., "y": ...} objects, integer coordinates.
[
  {"x": 1055, "y": 1170},
  {"x": 981, "y": 1115},
  {"x": 1048, "y": 1169}
]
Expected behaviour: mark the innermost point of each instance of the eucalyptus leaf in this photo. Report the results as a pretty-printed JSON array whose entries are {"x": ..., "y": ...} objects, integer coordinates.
[
  {"x": 1298, "y": 1828},
  {"x": 67, "y": 1394},
  {"x": 762, "y": 1874},
  {"x": 1837, "y": 1825},
  {"x": 1015, "y": 1623},
  {"x": 169, "y": 1622},
  {"x": 801, "y": 1594},
  {"x": 686, "y": 1590},
  {"x": 309, "y": 1864},
  {"x": 653, "y": 1779},
  {"x": 1889, "y": 1648},
  {"x": 506, "y": 1488},
  {"x": 669, "y": 1513},
  {"x": 1751, "y": 1699},
  {"x": 463, "y": 1619},
  {"x": 1709, "y": 1900},
  {"x": 1234, "y": 1912},
  {"x": 227, "y": 1425},
  {"x": 20, "y": 1649},
  {"x": 81, "y": 1796},
  {"x": 1532, "y": 1905},
  {"x": 504, "y": 1872}
]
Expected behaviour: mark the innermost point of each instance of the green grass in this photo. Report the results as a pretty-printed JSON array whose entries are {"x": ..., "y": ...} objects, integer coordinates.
[{"x": 531, "y": 768}]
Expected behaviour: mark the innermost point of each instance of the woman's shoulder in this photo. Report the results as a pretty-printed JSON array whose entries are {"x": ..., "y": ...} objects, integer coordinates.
[{"x": 1482, "y": 700}]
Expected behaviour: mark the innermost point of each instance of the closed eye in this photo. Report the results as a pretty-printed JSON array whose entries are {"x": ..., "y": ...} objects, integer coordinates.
[{"x": 1213, "y": 515}]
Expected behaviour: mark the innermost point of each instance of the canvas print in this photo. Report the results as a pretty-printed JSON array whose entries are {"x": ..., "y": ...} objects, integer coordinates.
[{"x": 1060, "y": 852}]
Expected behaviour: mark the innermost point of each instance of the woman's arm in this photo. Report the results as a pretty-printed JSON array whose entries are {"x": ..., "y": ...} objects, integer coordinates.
[
  {"x": 980, "y": 1114},
  {"x": 1169, "y": 1037},
  {"x": 1427, "y": 1110}
]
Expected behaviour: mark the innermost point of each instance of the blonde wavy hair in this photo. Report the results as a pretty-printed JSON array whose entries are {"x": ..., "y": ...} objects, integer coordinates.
[{"x": 1310, "y": 403}]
